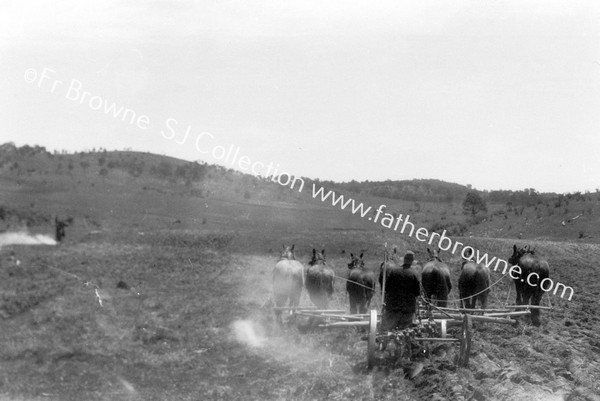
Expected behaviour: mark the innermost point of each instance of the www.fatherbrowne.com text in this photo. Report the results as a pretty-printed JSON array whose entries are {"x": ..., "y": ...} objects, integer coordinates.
[
  {"x": 74, "y": 91},
  {"x": 402, "y": 224}
]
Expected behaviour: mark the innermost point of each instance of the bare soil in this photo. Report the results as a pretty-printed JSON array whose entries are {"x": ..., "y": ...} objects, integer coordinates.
[{"x": 194, "y": 323}]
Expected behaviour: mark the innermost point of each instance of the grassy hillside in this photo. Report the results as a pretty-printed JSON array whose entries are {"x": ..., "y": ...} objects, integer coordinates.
[{"x": 102, "y": 190}]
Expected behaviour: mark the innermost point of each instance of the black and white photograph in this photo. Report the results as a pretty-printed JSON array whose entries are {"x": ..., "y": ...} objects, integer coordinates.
[{"x": 300, "y": 200}]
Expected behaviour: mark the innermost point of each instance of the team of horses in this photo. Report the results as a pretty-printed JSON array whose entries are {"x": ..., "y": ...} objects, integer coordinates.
[{"x": 291, "y": 276}]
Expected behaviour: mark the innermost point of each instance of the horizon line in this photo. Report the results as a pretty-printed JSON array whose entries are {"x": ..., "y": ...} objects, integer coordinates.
[{"x": 225, "y": 165}]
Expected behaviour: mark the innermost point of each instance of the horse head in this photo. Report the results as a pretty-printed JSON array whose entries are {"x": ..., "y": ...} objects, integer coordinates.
[
  {"x": 317, "y": 257},
  {"x": 530, "y": 264},
  {"x": 468, "y": 257},
  {"x": 356, "y": 262},
  {"x": 469, "y": 253},
  {"x": 391, "y": 254},
  {"x": 517, "y": 254},
  {"x": 434, "y": 255},
  {"x": 288, "y": 252}
]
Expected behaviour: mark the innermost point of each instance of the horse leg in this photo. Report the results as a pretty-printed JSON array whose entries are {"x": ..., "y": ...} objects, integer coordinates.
[
  {"x": 295, "y": 301},
  {"x": 428, "y": 298},
  {"x": 352, "y": 306},
  {"x": 526, "y": 298},
  {"x": 363, "y": 306},
  {"x": 463, "y": 301},
  {"x": 483, "y": 298},
  {"x": 519, "y": 291},
  {"x": 535, "y": 313},
  {"x": 364, "y": 301},
  {"x": 367, "y": 301},
  {"x": 467, "y": 303},
  {"x": 442, "y": 298},
  {"x": 442, "y": 291},
  {"x": 471, "y": 302},
  {"x": 279, "y": 301}
]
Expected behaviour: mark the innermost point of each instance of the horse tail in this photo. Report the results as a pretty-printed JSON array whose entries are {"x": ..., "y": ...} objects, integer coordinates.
[
  {"x": 444, "y": 286},
  {"x": 369, "y": 281},
  {"x": 330, "y": 282},
  {"x": 275, "y": 274},
  {"x": 482, "y": 280},
  {"x": 448, "y": 281}
]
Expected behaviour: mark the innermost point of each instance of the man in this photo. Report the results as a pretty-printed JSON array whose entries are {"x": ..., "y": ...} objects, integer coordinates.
[
  {"x": 402, "y": 288},
  {"x": 59, "y": 229}
]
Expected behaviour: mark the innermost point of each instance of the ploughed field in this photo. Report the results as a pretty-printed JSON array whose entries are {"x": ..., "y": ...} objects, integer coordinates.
[{"x": 191, "y": 320}]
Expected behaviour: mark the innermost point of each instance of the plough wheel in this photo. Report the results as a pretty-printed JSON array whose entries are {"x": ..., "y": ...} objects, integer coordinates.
[
  {"x": 372, "y": 345},
  {"x": 465, "y": 341}
]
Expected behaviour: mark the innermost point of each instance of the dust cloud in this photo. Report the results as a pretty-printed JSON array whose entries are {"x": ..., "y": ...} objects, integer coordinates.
[
  {"x": 248, "y": 333},
  {"x": 24, "y": 238}
]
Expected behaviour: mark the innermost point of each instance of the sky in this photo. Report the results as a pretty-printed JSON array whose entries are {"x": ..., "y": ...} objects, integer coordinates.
[{"x": 495, "y": 94}]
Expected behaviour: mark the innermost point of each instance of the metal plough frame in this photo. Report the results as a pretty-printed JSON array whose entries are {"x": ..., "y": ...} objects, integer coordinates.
[{"x": 445, "y": 317}]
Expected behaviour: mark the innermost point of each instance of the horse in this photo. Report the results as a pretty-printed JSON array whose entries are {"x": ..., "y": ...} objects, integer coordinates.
[
  {"x": 435, "y": 277},
  {"x": 360, "y": 285},
  {"x": 288, "y": 280},
  {"x": 319, "y": 280},
  {"x": 533, "y": 271},
  {"x": 473, "y": 284}
]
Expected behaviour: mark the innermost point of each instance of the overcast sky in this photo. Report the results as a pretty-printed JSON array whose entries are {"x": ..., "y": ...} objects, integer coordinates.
[{"x": 496, "y": 94}]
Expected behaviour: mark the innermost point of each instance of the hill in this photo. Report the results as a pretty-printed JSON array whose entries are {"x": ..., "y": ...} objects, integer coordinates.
[{"x": 102, "y": 190}]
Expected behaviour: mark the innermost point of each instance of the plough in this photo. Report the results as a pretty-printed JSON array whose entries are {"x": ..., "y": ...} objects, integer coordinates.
[{"x": 432, "y": 328}]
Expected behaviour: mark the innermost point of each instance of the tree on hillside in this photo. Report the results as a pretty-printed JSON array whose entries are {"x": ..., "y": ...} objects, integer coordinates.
[{"x": 474, "y": 204}]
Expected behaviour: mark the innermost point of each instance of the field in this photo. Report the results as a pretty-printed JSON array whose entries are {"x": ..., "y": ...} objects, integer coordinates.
[{"x": 161, "y": 295}]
